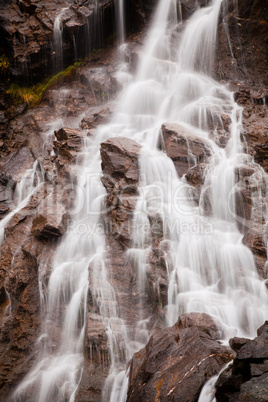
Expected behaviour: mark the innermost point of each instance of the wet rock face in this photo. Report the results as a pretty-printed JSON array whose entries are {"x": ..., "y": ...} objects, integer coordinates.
[
  {"x": 177, "y": 361},
  {"x": 21, "y": 256},
  {"x": 121, "y": 173},
  {"x": 51, "y": 219},
  {"x": 255, "y": 124},
  {"x": 185, "y": 149},
  {"x": 32, "y": 235},
  {"x": 247, "y": 378},
  {"x": 142, "y": 9},
  {"x": 120, "y": 158},
  {"x": 27, "y": 29},
  {"x": 14, "y": 166},
  {"x": 246, "y": 22},
  {"x": 67, "y": 145},
  {"x": 250, "y": 211},
  {"x": 12, "y": 169}
]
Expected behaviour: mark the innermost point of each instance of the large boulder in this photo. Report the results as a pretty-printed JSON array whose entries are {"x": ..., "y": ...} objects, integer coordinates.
[
  {"x": 177, "y": 361},
  {"x": 51, "y": 219},
  {"x": 120, "y": 159},
  {"x": 247, "y": 378},
  {"x": 183, "y": 147}
]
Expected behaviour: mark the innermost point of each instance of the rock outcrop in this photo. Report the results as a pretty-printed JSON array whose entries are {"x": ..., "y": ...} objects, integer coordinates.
[
  {"x": 32, "y": 234},
  {"x": 246, "y": 379},
  {"x": 243, "y": 35},
  {"x": 250, "y": 211},
  {"x": 36, "y": 45},
  {"x": 189, "y": 351},
  {"x": 22, "y": 255},
  {"x": 28, "y": 29},
  {"x": 177, "y": 361},
  {"x": 121, "y": 174},
  {"x": 184, "y": 148}
]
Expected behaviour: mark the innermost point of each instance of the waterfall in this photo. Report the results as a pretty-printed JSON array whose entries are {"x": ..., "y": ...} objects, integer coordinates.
[
  {"x": 120, "y": 20},
  {"x": 208, "y": 270},
  {"x": 57, "y": 41},
  {"x": 25, "y": 188}
]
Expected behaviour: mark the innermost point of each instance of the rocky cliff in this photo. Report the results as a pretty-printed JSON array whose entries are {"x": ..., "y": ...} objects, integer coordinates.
[
  {"x": 34, "y": 32},
  {"x": 46, "y": 142}
]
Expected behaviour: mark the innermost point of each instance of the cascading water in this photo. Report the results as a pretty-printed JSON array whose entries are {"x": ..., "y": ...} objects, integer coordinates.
[
  {"x": 58, "y": 370},
  {"x": 120, "y": 18},
  {"x": 57, "y": 40},
  {"x": 209, "y": 270},
  {"x": 25, "y": 188}
]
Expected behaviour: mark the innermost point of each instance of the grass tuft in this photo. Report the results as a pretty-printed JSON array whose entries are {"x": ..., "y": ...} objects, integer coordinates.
[{"x": 33, "y": 95}]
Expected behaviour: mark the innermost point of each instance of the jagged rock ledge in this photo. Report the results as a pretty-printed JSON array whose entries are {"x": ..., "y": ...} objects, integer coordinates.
[
  {"x": 177, "y": 361},
  {"x": 246, "y": 379}
]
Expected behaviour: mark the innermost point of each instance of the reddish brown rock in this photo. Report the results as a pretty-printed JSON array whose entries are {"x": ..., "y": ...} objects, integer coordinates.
[
  {"x": 68, "y": 143},
  {"x": 24, "y": 261},
  {"x": 67, "y": 146},
  {"x": 52, "y": 224},
  {"x": 177, "y": 361},
  {"x": 98, "y": 81},
  {"x": 246, "y": 379},
  {"x": 120, "y": 166},
  {"x": 12, "y": 169},
  {"x": 184, "y": 148},
  {"x": 242, "y": 56},
  {"x": 250, "y": 211},
  {"x": 14, "y": 166},
  {"x": 196, "y": 174},
  {"x": 19, "y": 320},
  {"x": 6, "y": 196},
  {"x": 120, "y": 158},
  {"x": 254, "y": 239},
  {"x": 27, "y": 29},
  {"x": 90, "y": 121}
]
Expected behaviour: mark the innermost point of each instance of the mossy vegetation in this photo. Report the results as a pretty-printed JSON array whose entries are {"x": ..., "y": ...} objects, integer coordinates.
[
  {"x": 4, "y": 65},
  {"x": 33, "y": 95}
]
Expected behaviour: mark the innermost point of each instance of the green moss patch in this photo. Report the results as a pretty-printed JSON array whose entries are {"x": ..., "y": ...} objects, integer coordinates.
[{"x": 33, "y": 95}]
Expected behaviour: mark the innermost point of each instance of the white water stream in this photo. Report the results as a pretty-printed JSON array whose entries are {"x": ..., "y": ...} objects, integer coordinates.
[
  {"x": 209, "y": 269},
  {"x": 25, "y": 188},
  {"x": 58, "y": 41},
  {"x": 120, "y": 20}
]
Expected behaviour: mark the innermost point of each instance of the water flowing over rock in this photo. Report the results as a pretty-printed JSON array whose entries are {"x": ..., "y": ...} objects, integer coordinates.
[
  {"x": 21, "y": 255},
  {"x": 13, "y": 167},
  {"x": 184, "y": 148},
  {"x": 177, "y": 361},
  {"x": 133, "y": 230},
  {"x": 29, "y": 31},
  {"x": 242, "y": 36},
  {"x": 120, "y": 168}
]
